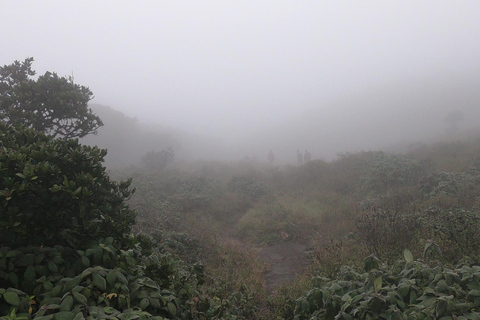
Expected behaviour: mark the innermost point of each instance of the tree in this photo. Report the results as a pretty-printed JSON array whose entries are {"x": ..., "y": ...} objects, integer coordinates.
[
  {"x": 50, "y": 104},
  {"x": 55, "y": 191}
]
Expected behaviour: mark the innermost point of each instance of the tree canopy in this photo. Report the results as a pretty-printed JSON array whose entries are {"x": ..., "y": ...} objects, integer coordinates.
[
  {"x": 55, "y": 191},
  {"x": 50, "y": 104}
]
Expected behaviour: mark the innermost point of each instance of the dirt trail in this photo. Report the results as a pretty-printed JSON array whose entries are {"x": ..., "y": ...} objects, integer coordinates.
[{"x": 286, "y": 261}]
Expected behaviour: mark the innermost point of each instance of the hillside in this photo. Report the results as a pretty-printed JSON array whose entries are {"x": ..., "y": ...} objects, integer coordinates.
[
  {"x": 127, "y": 140},
  {"x": 240, "y": 218}
]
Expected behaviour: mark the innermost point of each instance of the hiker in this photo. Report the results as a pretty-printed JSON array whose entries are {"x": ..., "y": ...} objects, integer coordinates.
[
  {"x": 271, "y": 157},
  {"x": 307, "y": 157},
  {"x": 299, "y": 158}
]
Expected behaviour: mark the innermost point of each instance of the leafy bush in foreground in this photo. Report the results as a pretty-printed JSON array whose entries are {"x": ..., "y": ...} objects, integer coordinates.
[
  {"x": 407, "y": 290},
  {"x": 103, "y": 282},
  {"x": 57, "y": 192}
]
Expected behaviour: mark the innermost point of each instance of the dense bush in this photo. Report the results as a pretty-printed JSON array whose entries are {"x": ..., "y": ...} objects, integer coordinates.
[
  {"x": 102, "y": 282},
  {"x": 247, "y": 186},
  {"x": 157, "y": 161},
  {"x": 407, "y": 290},
  {"x": 387, "y": 225},
  {"x": 57, "y": 192},
  {"x": 456, "y": 230},
  {"x": 451, "y": 188},
  {"x": 386, "y": 172}
]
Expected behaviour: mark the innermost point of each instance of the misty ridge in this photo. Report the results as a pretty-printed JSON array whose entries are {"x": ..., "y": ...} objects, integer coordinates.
[{"x": 391, "y": 118}]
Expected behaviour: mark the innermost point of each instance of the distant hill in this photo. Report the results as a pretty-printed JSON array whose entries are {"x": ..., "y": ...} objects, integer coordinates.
[{"x": 127, "y": 140}]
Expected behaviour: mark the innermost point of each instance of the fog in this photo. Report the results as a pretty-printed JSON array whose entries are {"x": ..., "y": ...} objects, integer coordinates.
[{"x": 234, "y": 79}]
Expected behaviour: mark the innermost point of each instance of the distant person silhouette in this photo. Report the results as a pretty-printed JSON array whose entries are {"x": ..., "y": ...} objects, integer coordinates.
[
  {"x": 271, "y": 157},
  {"x": 299, "y": 158},
  {"x": 307, "y": 157}
]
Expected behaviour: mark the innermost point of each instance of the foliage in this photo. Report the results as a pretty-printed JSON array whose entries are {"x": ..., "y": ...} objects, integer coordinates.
[
  {"x": 166, "y": 201},
  {"x": 234, "y": 276},
  {"x": 57, "y": 192},
  {"x": 50, "y": 104},
  {"x": 455, "y": 230},
  {"x": 157, "y": 161},
  {"x": 451, "y": 188},
  {"x": 328, "y": 258},
  {"x": 248, "y": 187},
  {"x": 407, "y": 290},
  {"x": 102, "y": 282},
  {"x": 387, "y": 225},
  {"x": 386, "y": 172}
]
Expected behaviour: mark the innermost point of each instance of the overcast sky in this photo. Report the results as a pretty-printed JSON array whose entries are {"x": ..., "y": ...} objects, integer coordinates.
[{"x": 226, "y": 67}]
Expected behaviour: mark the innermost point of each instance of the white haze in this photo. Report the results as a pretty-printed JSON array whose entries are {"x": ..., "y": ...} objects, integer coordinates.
[{"x": 259, "y": 75}]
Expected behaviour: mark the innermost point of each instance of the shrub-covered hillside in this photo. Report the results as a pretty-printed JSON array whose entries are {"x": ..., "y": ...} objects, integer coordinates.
[{"x": 367, "y": 204}]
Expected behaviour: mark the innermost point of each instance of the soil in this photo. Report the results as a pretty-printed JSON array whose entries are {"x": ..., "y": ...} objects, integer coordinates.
[{"x": 285, "y": 260}]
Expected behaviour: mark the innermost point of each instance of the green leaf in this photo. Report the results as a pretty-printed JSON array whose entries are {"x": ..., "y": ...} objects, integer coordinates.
[
  {"x": 29, "y": 274},
  {"x": 377, "y": 284},
  {"x": 48, "y": 285},
  {"x": 408, "y": 255},
  {"x": 52, "y": 267},
  {"x": 39, "y": 257},
  {"x": 403, "y": 290},
  {"x": 12, "y": 298},
  {"x": 65, "y": 315},
  {"x": 56, "y": 291},
  {"x": 173, "y": 309},
  {"x": 85, "y": 261},
  {"x": 49, "y": 317},
  {"x": 80, "y": 298},
  {"x": 99, "y": 282},
  {"x": 67, "y": 303},
  {"x": 13, "y": 253},
  {"x": 13, "y": 278},
  {"x": 144, "y": 303},
  {"x": 72, "y": 283},
  {"x": 79, "y": 316},
  {"x": 111, "y": 277},
  {"x": 441, "y": 308}
]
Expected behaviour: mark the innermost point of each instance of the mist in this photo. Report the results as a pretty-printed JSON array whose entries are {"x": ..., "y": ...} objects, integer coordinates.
[{"x": 222, "y": 80}]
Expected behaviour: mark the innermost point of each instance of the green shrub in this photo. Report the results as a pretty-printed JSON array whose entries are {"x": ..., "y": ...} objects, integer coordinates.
[
  {"x": 387, "y": 225},
  {"x": 56, "y": 192},
  {"x": 102, "y": 279},
  {"x": 407, "y": 290},
  {"x": 248, "y": 187},
  {"x": 386, "y": 172},
  {"x": 455, "y": 230},
  {"x": 451, "y": 188},
  {"x": 157, "y": 161}
]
